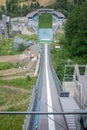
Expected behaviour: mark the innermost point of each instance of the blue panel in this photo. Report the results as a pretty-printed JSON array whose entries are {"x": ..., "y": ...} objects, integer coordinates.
[{"x": 37, "y": 116}]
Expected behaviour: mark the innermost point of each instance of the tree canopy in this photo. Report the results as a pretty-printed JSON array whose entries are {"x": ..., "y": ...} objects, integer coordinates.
[
  {"x": 14, "y": 9},
  {"x": 76, "y": 31}
]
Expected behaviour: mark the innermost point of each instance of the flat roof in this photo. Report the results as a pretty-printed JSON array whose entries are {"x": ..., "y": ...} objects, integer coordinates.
[{"x": 69, "y": 104}]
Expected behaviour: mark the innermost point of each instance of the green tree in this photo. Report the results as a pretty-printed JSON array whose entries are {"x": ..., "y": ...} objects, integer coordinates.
[
  {"x": 76, "y": 30},
  {"x": 78, "y": 2},
  {"x": 2, "y": 11},
  {"x": 12, "y": 7},
  {"x": 37, "y": 5},
  {"x": 63, "y": 4},
  {"x": 25, "y": 9}
]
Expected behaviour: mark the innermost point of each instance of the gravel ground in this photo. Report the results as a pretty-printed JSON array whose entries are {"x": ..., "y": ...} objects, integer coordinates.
[{"x": 12, "y": 59}]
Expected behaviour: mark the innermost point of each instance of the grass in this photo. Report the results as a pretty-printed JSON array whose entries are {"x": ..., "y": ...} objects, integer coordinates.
[
  {"x": 31, "y": 29},
  {"x": 27, "y": 37},
  {"x": 45, "y": 20},
  {"x": 59, "y": 58},
  {"x": 59, "y": 36},
  {"x": 7, "y": 65},
  {"x": 15, "y": 95},
  {"x": 6, "y": 45},
  {"x": 11, "y": 122},
  {"x": 20, "y": 83}
]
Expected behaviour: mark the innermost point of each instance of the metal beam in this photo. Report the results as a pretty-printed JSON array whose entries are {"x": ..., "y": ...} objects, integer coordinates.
[{"x": 43, "y": 113}]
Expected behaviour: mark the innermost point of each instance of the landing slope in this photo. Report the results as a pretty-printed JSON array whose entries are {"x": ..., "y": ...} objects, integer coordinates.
[{"x": 45, "y": 33}]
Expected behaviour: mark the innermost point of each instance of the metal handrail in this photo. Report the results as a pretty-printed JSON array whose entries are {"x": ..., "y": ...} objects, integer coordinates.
[
  {"x": 56, "y": 79},
  {"x": 82, "y": 112}
]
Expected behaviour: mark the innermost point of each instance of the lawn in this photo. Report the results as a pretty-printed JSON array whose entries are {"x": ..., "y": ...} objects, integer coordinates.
[
  {"x": 15, "y": 95},
  {"x": 45, "y": 20},
  {"x": 7, "y": 65},
  {"x": 6, "y": 45}
]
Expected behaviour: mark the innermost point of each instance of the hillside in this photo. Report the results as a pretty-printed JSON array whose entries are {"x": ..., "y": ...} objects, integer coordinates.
[
  {"x": 42, "y": 2},
  {"x": 45, "y": 20},
  {"x": 3, "y": 2},
  {"x": 46, "y": 2}
]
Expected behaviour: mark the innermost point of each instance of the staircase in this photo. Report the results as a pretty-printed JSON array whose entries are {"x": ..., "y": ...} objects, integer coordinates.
[{"x": 69, "y": 105}]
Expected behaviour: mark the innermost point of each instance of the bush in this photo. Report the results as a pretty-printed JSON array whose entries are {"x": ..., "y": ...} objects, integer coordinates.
[{"x": 28, "y": 77}]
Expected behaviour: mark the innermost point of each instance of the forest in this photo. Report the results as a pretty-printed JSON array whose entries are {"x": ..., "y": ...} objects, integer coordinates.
[
  {"x": 13, "y": 7},
  {"x": 76, "y": 31}
]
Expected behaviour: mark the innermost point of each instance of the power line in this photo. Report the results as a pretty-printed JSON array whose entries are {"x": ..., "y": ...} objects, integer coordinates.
[
  {"x": 56, "y": 123},
  {"x": 54, "y": 120}
]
